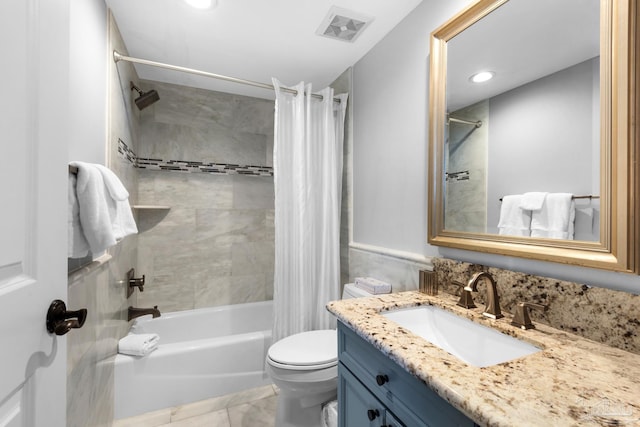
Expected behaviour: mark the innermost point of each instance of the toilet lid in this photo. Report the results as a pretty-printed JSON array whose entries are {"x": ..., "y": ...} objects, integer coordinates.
[{"x": 311, "y": 349}]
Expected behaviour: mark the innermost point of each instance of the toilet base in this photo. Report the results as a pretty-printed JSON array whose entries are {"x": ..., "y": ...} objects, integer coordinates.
[{"x": 294, "y": 411}]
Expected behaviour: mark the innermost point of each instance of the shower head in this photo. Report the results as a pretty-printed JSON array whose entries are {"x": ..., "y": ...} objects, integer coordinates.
[{"x": 145, "y": 98}]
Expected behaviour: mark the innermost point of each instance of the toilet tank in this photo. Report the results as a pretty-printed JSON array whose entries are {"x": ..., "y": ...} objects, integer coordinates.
[{"x": 351, "y": 291}]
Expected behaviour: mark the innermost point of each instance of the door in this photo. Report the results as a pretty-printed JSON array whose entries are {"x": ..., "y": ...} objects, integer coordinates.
[{"x": 34, "y": 120}]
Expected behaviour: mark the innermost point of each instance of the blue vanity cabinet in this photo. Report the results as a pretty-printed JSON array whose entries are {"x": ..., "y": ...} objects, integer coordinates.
[
  {"x": 364, "y": 409},
  {"x": 373, "y": 390}
]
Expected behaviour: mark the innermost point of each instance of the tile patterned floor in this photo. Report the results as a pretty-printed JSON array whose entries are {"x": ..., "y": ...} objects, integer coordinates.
[{"x": 250, "y": 408}]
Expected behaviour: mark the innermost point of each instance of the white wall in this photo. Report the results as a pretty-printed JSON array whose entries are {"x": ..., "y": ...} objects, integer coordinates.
[
  {"x": 541, "y": 138},
  {"x": 88, "y": 80},
  {"x": 390, "y": 152},
  {"x": 390, "y": 130}
]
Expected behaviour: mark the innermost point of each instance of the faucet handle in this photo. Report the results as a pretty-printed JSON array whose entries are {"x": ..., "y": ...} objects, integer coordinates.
[
  {"x": 521, "y": 317},
  {"x": 466, "y": 300},
  {"x": 137, "y": 281}
]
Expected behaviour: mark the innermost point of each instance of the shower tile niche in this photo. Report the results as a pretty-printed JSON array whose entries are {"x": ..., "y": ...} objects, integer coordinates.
[{"x": 215, "y": 245}]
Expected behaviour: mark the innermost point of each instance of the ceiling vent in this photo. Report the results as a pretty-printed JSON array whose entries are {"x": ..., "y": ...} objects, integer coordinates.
[{"x": 342, "y": 24}]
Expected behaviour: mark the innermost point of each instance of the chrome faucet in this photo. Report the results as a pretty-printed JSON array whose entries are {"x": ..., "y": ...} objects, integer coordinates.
[
  {"x": 492, "y": 310},
  {"x": 137, "y": 312}
]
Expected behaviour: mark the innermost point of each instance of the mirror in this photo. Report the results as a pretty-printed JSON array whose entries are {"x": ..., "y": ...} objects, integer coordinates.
[{"x": 538, "y": 161}]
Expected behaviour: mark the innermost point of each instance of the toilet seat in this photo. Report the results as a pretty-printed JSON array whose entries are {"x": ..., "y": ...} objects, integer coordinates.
[{"x": 305, "y": 351}]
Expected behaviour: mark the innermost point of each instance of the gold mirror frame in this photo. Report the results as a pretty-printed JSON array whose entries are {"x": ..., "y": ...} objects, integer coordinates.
[{"x": 619, "y": 181}]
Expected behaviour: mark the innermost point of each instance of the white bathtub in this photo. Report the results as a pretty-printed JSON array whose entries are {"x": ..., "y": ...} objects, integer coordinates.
[{"x": 203, "y": 353}]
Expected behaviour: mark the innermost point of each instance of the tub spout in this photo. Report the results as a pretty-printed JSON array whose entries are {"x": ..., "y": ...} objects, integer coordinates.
[{"x": 137, "y": 312}]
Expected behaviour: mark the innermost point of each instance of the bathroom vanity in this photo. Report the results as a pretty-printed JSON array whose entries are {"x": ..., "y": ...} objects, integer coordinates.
[
  {"x": 375, "y": 390},
  {"x": 389, "y": 376}
]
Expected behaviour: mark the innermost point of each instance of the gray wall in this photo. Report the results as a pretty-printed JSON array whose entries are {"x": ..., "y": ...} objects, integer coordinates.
[
  {"x": 390, "y": 140},
  {"x": 87, "y": 76},
  {"x": 390, "y": 129},
  {"x": 541, "y": 137},
  {"x": 215, "y": 246}
]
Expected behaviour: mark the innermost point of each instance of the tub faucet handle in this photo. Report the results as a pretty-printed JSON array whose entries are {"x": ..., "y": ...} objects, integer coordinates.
[
  {"x": 137, "y": 281},
  {"x": 134, "y": 282}
]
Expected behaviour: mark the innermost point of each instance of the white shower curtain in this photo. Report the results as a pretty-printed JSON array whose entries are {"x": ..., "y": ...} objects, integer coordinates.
[{"x": 307, "y": 161}]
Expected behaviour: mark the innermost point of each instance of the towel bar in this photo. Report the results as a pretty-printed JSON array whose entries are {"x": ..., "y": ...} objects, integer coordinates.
[{"x": 577, "y": 197}]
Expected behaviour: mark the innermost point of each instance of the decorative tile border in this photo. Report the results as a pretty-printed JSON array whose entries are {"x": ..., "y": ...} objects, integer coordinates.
[
  {"x": 458, "y": 176},
  {"x": 194, "y": 166},
  {"x": 126, "y": 153},
  {"x": 190, "y": 166}
]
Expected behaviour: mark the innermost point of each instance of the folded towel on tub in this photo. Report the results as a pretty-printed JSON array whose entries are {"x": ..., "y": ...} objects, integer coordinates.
[{"x": 138, "y": 344}]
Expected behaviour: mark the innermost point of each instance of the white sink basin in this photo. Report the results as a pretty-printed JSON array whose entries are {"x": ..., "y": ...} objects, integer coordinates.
[{"x": 470, "y": 342}]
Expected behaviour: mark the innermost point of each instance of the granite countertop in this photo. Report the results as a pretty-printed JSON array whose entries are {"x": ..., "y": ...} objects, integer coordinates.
[{"x": 571, "y": 382}]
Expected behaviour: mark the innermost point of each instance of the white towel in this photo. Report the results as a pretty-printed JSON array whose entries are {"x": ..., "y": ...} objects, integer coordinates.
[
  {"x": 119, "y": 208},
  {"x": 532, "y": 201},
  {"x": 94, "y": 211},
  {"x": 330, "y": 414},
  {"x": 514, "y": 221},
  {"x": 373, "y": 286},
  {"x": 77, "y": 245},
  {"x": 556, "y": 218},
  {"x": 104, "y": 211},
  {"x": 138, "y": 344}
]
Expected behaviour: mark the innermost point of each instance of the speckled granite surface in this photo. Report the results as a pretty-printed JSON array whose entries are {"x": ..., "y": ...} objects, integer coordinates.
[
  {"x": 571, "y": 382},
  {"x": 603, "y": 315}
]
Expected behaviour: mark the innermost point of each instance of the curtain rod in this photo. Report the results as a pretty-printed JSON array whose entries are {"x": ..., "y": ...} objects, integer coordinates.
[{"x": 117, "y": 56}]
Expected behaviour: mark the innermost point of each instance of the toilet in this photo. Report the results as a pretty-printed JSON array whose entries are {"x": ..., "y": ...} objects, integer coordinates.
[{"x": 305, "y": 368}]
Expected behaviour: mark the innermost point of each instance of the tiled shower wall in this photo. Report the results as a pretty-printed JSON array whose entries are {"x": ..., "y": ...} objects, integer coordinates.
[
  {"x": 466, "y": 182},
  {"x": 215, "y": 243}
]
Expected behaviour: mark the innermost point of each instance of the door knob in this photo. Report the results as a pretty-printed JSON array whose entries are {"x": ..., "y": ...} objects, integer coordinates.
[{"x": 60, "y": 321}]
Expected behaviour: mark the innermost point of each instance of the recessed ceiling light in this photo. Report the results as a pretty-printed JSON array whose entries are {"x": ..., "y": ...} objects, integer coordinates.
[
  {"x": 482, "y": 76},
  {"x": 202, "y": 4}
]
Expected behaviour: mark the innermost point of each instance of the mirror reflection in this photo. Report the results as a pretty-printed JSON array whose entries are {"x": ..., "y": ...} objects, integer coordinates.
[{"x": 522, "y": 145}]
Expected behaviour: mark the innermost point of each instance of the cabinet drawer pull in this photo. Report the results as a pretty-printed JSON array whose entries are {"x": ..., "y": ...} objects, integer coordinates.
[
  {"x": 372, "y": 414},
  {"x": 382, "y": 379}
]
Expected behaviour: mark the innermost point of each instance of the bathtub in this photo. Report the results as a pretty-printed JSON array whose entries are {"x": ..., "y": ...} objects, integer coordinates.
[{"x": 203, "y": 353}]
